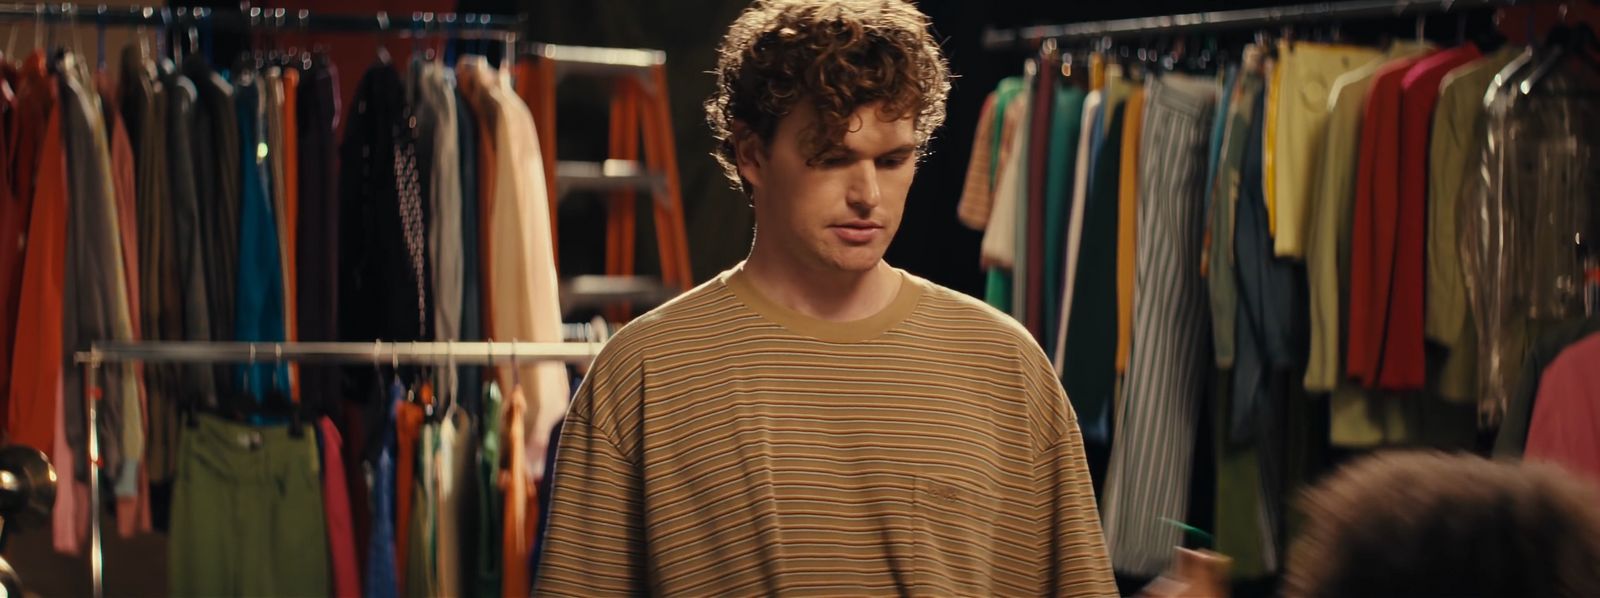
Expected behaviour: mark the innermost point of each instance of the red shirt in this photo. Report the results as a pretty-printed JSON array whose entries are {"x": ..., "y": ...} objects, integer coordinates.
[
  {"x": 29, "y": 113},
  {"x": 1403, "y": 365},
  {"x": 37, "y": 366},
  {"x": 1566, "y": 415},
  {"x": 1374, "y": 222},
  {"x": 336, "y": 507}
]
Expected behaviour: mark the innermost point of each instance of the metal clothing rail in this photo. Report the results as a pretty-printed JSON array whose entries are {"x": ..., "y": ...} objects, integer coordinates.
[
  {"x": 377, "y": 353},
  {"x": 998, "y": 39},
  {"x": 246, "y": 18}
]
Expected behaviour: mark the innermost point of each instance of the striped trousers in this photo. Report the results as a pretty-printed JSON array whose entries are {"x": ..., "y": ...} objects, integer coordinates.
[{"x": 1159, "y": 409}]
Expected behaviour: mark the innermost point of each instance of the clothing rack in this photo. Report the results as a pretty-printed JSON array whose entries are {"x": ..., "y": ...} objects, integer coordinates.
[
  {"x": 376, "y": 353},
  {"x": 1025, "y": 37},
  {"x": 246, "y": 18}
]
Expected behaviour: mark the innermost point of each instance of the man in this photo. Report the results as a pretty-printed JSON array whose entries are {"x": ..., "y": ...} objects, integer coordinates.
[
  {"x": 1437, "y": 524},
  {"x": 815, "y": 421}
]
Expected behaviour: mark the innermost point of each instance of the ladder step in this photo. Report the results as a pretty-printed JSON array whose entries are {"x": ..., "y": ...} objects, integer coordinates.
[
  {"x": 598, "y": 61},
  {"x": 587, "y": 292},
  {"x": 610, "y": 175}
]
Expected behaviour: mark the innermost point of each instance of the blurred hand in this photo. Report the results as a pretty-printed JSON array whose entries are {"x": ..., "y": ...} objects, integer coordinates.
[{"x": 1194, "y": 574}]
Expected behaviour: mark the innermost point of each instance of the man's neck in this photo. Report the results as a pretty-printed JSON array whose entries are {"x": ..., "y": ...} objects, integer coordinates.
[{"x": 828, "y": 295}]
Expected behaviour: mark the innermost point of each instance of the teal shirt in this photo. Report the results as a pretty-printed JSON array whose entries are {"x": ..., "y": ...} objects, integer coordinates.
[
  {"x": 997, "y": 291},
  {"x": 1065, "y": 121}
]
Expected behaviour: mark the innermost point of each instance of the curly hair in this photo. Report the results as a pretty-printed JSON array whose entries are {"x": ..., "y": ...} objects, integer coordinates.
[
  {"x": 1433, "y": 524},
  {"x": 838, "y": 55}
]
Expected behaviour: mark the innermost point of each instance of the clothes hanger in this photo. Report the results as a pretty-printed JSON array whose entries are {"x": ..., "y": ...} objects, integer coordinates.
[
  {"x": 1564, "y": 41},
  {"x": 383, "y": 37}
]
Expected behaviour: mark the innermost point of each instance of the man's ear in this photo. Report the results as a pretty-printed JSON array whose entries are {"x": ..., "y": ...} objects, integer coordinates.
[{"x": 750, "y": 153}]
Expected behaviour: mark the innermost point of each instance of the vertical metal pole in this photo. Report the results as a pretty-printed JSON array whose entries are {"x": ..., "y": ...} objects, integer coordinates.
[{"x": 91, "y": 400}]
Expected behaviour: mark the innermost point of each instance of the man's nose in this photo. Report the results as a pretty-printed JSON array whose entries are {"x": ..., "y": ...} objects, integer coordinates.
[{"x": 864, "y": 193}]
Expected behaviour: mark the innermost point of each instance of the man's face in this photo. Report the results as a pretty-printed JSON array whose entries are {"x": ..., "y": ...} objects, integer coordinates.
[{"x": 841, "y": 213}]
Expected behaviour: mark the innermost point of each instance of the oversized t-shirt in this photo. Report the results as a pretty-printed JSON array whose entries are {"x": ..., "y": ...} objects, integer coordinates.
[{"x": 724, "y": 445}]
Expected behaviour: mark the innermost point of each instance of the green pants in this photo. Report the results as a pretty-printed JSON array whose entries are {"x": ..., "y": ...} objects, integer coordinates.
[{"x": 247, "y": 516}]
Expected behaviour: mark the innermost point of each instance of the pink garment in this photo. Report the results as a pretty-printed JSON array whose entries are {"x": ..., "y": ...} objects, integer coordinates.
[
  {"x": 133, "y": 512},
  {"x": 1566, "y": 414},
  {"x": 70, "y": 517},
  {"x": 336, "y": 505}
]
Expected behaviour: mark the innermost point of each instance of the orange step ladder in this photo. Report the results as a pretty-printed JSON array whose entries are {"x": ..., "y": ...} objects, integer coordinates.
[{"x": 639, "y": 113}]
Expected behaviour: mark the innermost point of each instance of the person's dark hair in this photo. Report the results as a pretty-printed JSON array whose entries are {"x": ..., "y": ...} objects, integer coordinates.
[
  {"x": 838, "y": 55},
  {"x": 1434, "y": 524}
]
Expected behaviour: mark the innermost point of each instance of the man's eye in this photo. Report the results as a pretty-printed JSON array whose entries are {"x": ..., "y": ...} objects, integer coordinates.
[
  {"x": 835, "y": 162},
  {"x": 892, "y": 163}
]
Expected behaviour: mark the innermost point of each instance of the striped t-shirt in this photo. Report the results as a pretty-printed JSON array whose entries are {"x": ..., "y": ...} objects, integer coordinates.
[{"x": 724, "y": 445}]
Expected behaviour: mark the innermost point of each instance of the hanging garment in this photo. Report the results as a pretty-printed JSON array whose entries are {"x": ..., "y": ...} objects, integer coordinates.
[
  {"x": 37, "y": 374},
  {"x": 524, "y": 289},
  {"x": 977, "y": 197},
  {"x": 1268, "y": 327},
  {"x": 1565, "y": 428},
  {"x": 455, "y": 468},
  {"x": 490, "y": 538},
  {"x": 1374, "y": 226},
  {"x": 1090, "y": 375},
  {"x": 1149, "y": 471},
  {"x": 470, "y": 84},
  {"x": 1127, "y": 221},
  {"x": 997, "y": 282},
  {"x": 383, "y": 568},
  {"x": 317, "y": 227},
  {"x": 420, "y": 570},
  {"x": 1242, "y": 526},
  {"x": 1000, "y": 237},
  {"x": 1227, "y": 80},
  {"x": 1403, "y": 363},
  {"x": 1328, "y": 241},
  {"x": 132, "y": 489},
  {"x": 1219, "y": 128},
  {"x": 438, "y": 109},
  {"x": 1306, "y": 72},
  {"x": 95, "y": 298},
  {"x": 259, "y": 312},
  {"x": 1065, "y": 121},
  {"x": 1527, "y": 223},
  {"x": 1458, "y": 129},
  {"x": 217, "y": 159},
  {"x": 30, "y": 112},
  {"x": 1269, "y": 144},
  {"x": 382, "y": 290},
  {"x": 408, "y": 432},
  {"x": 194, "y": 385},
  {"x": 1080, "y": 195},
  {"x": 342, "y": 562},
  {"x": 248, "y": 516},
  {"x": 1028, "y": 278},
  {"x": 470, "y": 389},
  {"x": 520, "y": 520},
  {"x": 870, "y": 473},
  {"x": 1512, "y": 438},
  {"x": 1221, "y": 269},
  {"x": 276, "y": 170},
  {"x": 289, "y": 221},
  {"x": 144, "y": 115}
]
